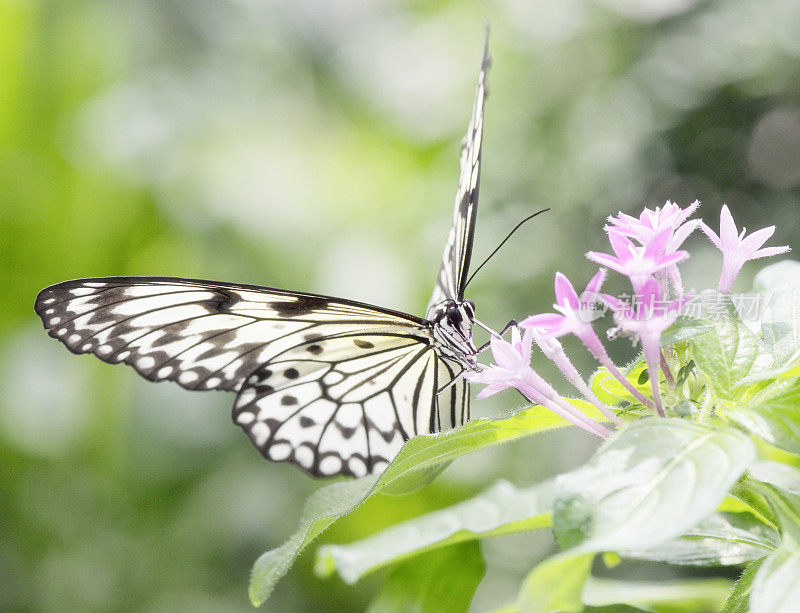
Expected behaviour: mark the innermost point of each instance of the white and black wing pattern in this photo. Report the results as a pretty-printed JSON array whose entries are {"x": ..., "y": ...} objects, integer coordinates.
[
  {"x": 458, "y": 250},
  {"x": 334, "y": 386}
]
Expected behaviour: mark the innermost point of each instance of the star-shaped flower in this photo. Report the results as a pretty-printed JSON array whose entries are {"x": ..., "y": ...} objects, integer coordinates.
[
  {"x": 651, "y": 222},
  {"x": 574, "y": 317},
  {"x": 512, "y": 368},
  {"x": 636, "y": 262},
  {"x": 736, "y": 249},
  {"x": 574, "y": 313},
  {"x": 512, "y": 364}
]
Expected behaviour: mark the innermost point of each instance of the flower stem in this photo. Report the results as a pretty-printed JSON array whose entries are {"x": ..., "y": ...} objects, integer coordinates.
[
  {"x": 596, "y": 348},
  {"x": 652, "y": 357},
  {"x": 555, "y": 352},
  {"x": 562, "y": 408},
  {"x": 667, "y": 372}
]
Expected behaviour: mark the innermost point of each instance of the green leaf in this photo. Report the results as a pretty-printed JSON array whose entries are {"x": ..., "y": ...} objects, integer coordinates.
[
  {"x": 699, "y": 595},
  {"x": 418, "y": 458},
  {"x": 685, "y": 328},
  {"x": 502, "y": 509},
  {"x": 780, "y": 485},
  {"x": 782, "y": 476},
  {"x": 725, "y": 353},
  {"x": 443, "y": 581},
  {"x": 772, "y": 414},
  {"x": 422, "y": 453},
  {"x": 651, "y": 482},
  {"x": 779, "y": 353},
  {"x": 609, "y": 390},
  {"x": 323, "y": 508},
  {"x": 556, "y": 584},
  {"x": 721, "y": 539},
  {"x": 615, "y": 608},
  {"x": 744, "y": 497},
  {"x": 738, "y": 600},
  {"x": 776, "y": 587}
]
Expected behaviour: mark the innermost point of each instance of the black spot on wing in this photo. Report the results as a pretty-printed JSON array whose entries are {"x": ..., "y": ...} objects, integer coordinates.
[
  {"x": 314, "y": 349},
  {"x": 466, "y": 203},
  {"x": 299, "y": 306},
  {"x": 362, "y": 344},
  {"x": 288, "y": 400},
  {"x": 224, "y": 301},
  {"x": 347, "y": 433},
  {"x": 291, "y": 373}
]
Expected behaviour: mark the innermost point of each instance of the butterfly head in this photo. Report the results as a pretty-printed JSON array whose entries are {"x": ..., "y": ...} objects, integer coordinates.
[{"x": 453, "y": 320}]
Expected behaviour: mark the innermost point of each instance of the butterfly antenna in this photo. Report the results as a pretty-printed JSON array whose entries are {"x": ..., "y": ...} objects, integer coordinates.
[{"x": 509, "y": 235}]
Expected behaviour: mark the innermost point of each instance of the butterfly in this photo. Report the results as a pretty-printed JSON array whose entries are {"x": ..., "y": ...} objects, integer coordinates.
[{"x": 332, "y": 385}]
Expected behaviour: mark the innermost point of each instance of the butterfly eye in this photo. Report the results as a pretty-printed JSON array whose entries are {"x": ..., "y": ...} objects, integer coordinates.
[
  {"x": 469, "y": 307},
  {"x": 454, "y": 315}
]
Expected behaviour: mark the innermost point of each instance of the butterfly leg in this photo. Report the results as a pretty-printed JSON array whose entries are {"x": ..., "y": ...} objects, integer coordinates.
[{"x": 511, "y": 324}]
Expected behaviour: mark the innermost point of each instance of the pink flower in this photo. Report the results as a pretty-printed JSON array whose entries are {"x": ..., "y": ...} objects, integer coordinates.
[
  {"x": 638, "y": 263},
  {"x": 652, "y": 222},
  {"x": 574, "y": 313},
  {"x": 736, "y": 249},
  {"x": 512, "y": 364},
  {"x": 647, "y": 319},
  {"x": 513, "y": 369},
  {"x": 574, "y": 317}
]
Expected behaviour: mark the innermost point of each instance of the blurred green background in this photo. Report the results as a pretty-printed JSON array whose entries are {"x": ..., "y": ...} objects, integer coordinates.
[{"x": 314, "y": 146}]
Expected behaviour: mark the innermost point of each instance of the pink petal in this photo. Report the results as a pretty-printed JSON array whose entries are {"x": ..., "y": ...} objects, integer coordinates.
[
  {"x": 727, "y": 228},
  {"x": 491, "y": 390},
  {"x": 658, "y": 243},
  {"x": 546, "y": 322},
  {"x": 504, "y": 354},
  {"x": 682, "y": 233},
  {"x": 614, "y": 303},
  {"x": 650, "y": 292},
  {"x": 687, "y": 212},
  {"x": 494, "y": 375},
  {"x": 565, "y": 292},
  {"x": 620, "y": 245},
  {"x": 605, "y": 259},
  {"x": 673, "y": 258},
  {"x": 711, "y": 235},
  {"x": 756, "y": 239},
  {"x": 596, "y": 282},
  {"x": 516, "y": 340},
  {"x": 770, "y": 251},
  {"x": 527, "y": 344}
]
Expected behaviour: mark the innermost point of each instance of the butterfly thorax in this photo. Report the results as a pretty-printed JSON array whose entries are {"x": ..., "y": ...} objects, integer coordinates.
[{"x": 452, "y": 322}]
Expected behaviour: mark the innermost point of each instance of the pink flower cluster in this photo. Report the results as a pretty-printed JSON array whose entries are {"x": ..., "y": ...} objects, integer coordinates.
[{"x": 647, "y": 251}]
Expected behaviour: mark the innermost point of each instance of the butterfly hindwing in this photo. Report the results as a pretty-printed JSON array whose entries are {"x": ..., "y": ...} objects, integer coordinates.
[
  {"x": 346, "y": 409},
  {"x": 332, "y": 385},
  {"x": 458, "y": 250}
]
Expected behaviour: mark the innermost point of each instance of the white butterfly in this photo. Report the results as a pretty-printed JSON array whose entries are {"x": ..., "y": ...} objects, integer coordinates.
[{"x": 332, "y": 385}]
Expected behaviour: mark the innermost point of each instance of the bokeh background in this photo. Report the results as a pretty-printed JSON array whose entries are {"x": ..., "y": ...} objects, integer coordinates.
[{"x": 314, "y": 146}]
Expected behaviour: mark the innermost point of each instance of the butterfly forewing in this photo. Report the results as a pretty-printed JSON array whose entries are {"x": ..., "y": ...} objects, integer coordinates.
[
  {"x": 457, "y": 251},
  {"x": 332, "y": 385}
]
